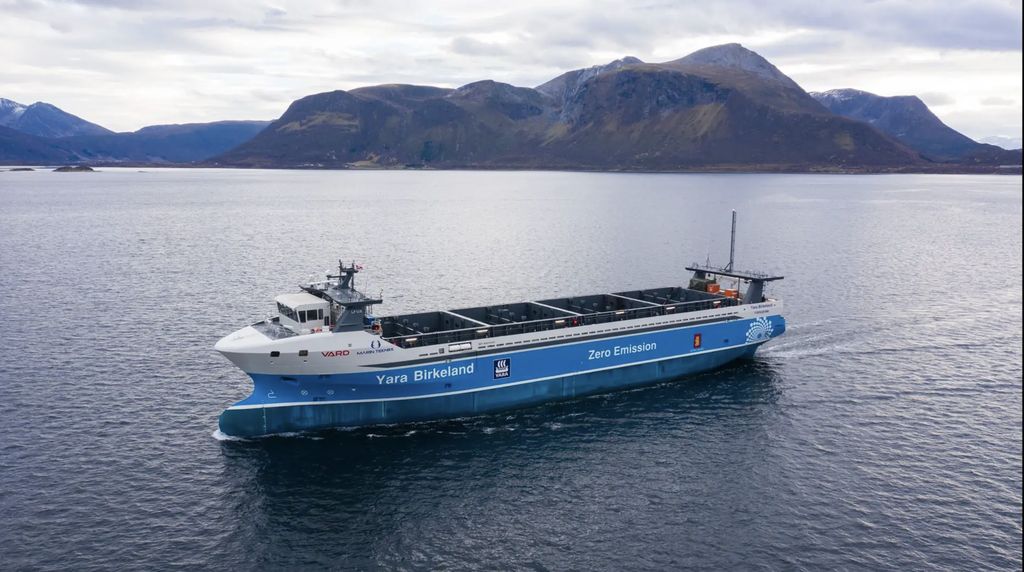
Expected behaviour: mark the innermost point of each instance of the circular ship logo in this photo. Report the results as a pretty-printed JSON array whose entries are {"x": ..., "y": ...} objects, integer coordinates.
[{"x": 760, "y": 330}]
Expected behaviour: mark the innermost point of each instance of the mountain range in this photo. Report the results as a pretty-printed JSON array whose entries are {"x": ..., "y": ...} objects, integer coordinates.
[
  {"x": 720, "y": 108},
  {"x": 44, "y": 134},
  {"x": 45, "y": 120},
  {"x": 723, "y": 107},
  {"x": 907, "y": 119}
]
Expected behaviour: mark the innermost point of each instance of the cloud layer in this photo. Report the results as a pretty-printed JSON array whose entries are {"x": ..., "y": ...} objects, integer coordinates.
[{"x": 125, "y": 64}]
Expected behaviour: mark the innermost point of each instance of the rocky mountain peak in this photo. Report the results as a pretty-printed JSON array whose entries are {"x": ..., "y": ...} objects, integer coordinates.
[
  {"x": 735, "y": 57},
  {"x": 10, "y": 110},
  {"x": 566, "y": 85},
  {"x": 903, "y": 117},
  {"x": 45, "y": 120}
]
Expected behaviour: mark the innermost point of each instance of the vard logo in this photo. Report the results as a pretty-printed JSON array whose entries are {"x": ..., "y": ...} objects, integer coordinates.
[
  {"x": 338, "y": 353},
  {"x": 502, "y": 368}
]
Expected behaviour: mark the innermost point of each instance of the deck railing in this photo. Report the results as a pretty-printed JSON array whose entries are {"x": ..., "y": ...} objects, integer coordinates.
[{"x": 482, "y": 332}]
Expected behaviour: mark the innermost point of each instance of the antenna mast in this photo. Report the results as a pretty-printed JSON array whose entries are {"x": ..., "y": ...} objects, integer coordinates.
[{"x": 732, "y": 243}]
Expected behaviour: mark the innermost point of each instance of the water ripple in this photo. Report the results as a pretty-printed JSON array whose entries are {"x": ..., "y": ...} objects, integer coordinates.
[{"x": 882, "y": 432}]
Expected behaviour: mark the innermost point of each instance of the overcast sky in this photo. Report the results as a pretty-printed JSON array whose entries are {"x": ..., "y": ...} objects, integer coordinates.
[{"x": 125, "y": 64}]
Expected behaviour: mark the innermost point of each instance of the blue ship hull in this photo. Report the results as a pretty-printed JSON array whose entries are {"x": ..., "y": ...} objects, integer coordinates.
[{"x": 493, "y": 382}]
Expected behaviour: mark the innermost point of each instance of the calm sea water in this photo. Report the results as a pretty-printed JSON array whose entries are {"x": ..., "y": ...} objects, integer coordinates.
[{"x": 883, "y": 431}]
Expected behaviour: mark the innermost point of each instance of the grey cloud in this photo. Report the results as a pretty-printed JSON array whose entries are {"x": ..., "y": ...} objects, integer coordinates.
[
  {"x": 273, "y": 96},
  {"x": 998, "y": 101},
  {"x": 801, "y": 46},
  {"x": 978, "y": 24},
  {"x": 22, "y": 6},
  {"x": 470, "y": 47},
  {"x": 61, "y": 26},
  {"x": 984, "y": 122},
  {"x": 934, "y": 99}
]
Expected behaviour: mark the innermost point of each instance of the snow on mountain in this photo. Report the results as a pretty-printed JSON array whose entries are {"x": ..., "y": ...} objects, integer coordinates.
[
  {"x": 564, "y": 86},
  {"x": 838, "y": 95},
  {"x": 45, "y": 120},
  {"x": 10, "y": 111}
]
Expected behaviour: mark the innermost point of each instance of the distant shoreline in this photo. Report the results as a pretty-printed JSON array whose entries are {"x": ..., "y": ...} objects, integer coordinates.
[{"x": 722, "y": 169}]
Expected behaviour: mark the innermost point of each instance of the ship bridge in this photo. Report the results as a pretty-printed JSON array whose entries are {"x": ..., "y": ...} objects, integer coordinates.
[
  {"x": 348, "y": 306},
  {"x": 705, "y": 277}
]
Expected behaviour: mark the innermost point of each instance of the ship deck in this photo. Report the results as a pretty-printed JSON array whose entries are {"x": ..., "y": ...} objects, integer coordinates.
[{"x": 480, "y": 322}]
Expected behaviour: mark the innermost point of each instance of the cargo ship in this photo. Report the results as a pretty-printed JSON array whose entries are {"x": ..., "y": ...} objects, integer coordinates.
[{"x": 326, "y": 360}]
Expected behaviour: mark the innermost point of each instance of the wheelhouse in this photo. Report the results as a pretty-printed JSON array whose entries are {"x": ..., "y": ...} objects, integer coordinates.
[{"x": 303, "y": 313}]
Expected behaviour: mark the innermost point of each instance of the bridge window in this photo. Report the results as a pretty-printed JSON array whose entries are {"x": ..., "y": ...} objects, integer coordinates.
[{"x": 287, "y": 312}]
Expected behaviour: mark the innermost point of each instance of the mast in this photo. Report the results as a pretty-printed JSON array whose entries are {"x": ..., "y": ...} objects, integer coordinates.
[
  {"x": 732, "y": 243},
  {"x": 346, "y": 276},
  {"x": 756, "y": 280}
]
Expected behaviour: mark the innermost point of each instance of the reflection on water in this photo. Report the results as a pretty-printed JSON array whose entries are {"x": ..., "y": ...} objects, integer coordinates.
[
  {"x": 371, "y": 483},
  {"x": 742, "y": 389}
]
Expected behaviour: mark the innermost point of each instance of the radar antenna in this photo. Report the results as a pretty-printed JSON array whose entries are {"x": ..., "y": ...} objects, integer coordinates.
[{"x": 346, "y": 275}]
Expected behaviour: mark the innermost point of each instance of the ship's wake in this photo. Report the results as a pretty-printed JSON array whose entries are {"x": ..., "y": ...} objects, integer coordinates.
[{"x": 810, "y": 340}]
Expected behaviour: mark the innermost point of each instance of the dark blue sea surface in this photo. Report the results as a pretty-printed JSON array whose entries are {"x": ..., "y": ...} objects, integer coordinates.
[{"x": 883, "y": 431}]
